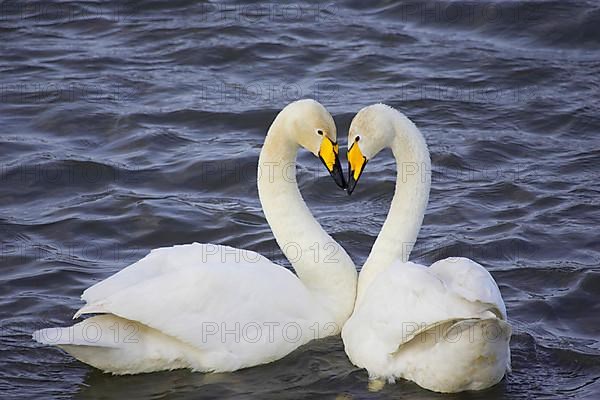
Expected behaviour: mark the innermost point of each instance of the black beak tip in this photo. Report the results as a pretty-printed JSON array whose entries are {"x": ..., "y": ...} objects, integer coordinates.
[
  {"x": 351, "y": 183},
  {"x": 337, "y": 174},
  {"x": 338, "y": 177}
]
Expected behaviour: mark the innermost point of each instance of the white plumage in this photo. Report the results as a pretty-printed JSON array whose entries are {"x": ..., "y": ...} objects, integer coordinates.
[
  {"x": 215, "y": 308},
  {"x": 443, "y": 327},
  {"x": 188, "y": 308},
  {"x": 420, "y": 324}
]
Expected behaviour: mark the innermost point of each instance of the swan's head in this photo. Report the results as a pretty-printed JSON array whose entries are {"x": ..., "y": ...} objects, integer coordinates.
[
  {"x": 370, "y": 132},
  {"x": 313, "y": 128}
]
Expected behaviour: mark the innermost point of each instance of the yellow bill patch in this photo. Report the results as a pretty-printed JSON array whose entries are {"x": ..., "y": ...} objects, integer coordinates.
[
  {"x": 328, "y": 152},
  {"x": 356, "y": 160}
]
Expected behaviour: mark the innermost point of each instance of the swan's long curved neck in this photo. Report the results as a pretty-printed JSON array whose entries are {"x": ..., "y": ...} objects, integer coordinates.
[
  {"x": 401, "y": 227},
  {"x": 319, "y": 261}
]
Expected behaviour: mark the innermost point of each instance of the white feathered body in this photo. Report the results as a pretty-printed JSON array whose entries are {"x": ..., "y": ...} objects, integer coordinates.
[
  {"x": 198, "y": 306},
  {"x": 215, "y": 308},
  {"x": 443, "y": 327}
]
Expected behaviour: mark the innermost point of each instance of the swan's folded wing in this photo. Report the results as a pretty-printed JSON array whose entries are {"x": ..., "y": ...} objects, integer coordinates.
[
  {"x": 470, "y": 280},
  {"x": 168, "y": 260},
  {"x": 246, "y": 312},
  {"x": 405, "y": 300},
  {"x": 401, "y": 301}
]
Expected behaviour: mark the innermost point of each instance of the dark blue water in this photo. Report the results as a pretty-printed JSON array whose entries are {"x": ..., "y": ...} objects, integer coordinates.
[{"x": 125, "y": 127}]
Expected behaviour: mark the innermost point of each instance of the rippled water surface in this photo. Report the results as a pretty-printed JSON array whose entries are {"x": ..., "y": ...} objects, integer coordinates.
[{"x": 136, "y": 125}]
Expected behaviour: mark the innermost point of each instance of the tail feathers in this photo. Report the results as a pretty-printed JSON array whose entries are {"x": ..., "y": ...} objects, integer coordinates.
[
  {"x": 497, "y": 328},
  {"x": 95, "y": 308},
  {"x": 477, "y": 348},
  {"x": 439, "y": 325},
  {"x": 493, "y": 329},
  {"x": 120, "y": 346}
]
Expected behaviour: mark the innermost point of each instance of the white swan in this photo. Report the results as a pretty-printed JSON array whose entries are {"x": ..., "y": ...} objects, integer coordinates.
[
  {"x": 443, "y": 327},
  {"x": 215, "y": 308}
]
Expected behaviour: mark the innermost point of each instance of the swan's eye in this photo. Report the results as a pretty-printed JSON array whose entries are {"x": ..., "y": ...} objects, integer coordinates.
[
  {"x": 356, "y": 139},
  {"x": 320, "y": 132}
]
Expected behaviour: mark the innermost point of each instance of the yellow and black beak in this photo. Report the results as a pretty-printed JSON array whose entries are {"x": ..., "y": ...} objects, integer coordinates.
[
  {"x": 328, "y": 154},
  {"x": 356, "y": 165}
]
